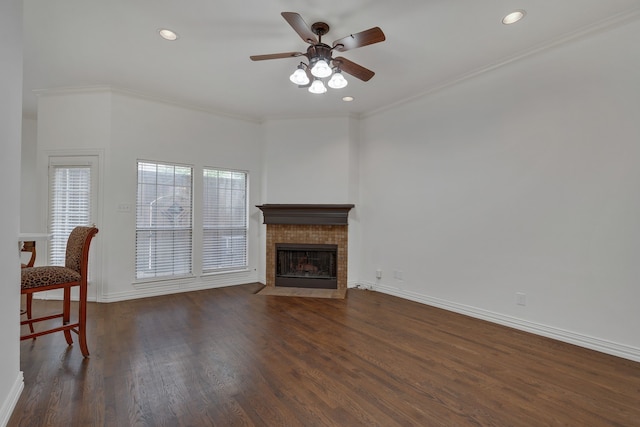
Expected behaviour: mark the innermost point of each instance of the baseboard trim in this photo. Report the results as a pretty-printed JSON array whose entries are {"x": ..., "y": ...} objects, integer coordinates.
[
  {"x": 10, "y": 402},
  {"x": 164, "y": 287},
  {"x": 592, "y": 343},
  {"x": 175, "y": 287}
]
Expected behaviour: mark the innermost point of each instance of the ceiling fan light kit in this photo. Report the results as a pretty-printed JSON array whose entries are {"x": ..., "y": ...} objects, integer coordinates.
[{"x": 322, "y": 64}]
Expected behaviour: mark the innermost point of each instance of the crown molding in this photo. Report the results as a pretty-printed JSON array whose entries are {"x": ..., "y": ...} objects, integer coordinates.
[
  {"x": 74, "y": 90},
  {"x": 590, "y": 30}
]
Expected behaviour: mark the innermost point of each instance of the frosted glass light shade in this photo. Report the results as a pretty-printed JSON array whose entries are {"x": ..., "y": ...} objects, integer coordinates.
[
  {"x": 299, "y": 77},
  {"x": 337, "y": 81},
  {"x": 321, "y": 69},
  {"x": 317, "y": 87}
]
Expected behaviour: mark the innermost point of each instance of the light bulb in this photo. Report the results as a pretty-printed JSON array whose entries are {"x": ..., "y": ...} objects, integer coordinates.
[
  {"x": 299, "y": 77},
  {"x": 337, "y": 81},
  {"x": 321, "y": 69},
  {"x": 317, "y": 87}
]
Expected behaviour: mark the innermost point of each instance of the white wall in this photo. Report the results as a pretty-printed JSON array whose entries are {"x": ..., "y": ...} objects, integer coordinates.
[
  {"x": 120, "y": 129},
  {"x": 29, "y": 215},
  {"x": 147, "y": 130},
  {"x": 320, "y": 153},
  {"x": 315, "y": 161},
  {"x": 72, "y": 123},
  {"x": 524, "y": 179},
  {"x": 11, "y": 382},
  {"x": 308, "y": 160}
]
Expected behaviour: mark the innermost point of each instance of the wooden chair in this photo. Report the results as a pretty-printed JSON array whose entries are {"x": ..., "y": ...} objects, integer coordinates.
[
  {"x": 30, "y": 247},
  {"x": 74, "y": 273}
]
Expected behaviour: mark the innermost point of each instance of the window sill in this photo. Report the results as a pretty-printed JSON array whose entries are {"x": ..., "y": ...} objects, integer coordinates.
[
  {"x": 162, "y": 283},
  {"x": 224, "y": 272}
]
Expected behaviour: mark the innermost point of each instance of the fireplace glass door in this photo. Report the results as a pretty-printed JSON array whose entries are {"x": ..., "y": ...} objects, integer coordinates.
[{"x": 306, "y": 266}]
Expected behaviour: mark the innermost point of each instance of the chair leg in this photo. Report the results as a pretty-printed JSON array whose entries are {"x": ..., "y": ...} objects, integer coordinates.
[
  {"x": 66, "y": 313},
  {"x": 82, "y": 320},
  {"x": 29, "y": 298}
]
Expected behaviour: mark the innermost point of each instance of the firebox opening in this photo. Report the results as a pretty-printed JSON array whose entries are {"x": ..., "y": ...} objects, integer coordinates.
[{"x": 306, "y": 266}]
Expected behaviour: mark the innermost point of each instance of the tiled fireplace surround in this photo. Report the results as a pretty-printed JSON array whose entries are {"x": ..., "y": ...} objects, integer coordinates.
[{"x": 307, "y": 224}]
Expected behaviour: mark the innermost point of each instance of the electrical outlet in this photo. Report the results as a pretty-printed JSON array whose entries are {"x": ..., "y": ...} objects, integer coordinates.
[
  {"x": 124, "y": 207},
  {"x": 521, "y": 298},
  {"x": 378, "y": 274}
]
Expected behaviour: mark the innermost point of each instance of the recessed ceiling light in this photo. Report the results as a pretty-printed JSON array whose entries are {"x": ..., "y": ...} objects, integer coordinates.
[
  {"x": 347, "y": 98},
  {"x": 513, "y": 17},
  {"x": 167, "y": 34}
]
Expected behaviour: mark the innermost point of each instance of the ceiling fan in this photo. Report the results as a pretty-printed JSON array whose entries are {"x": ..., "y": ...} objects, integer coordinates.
[{"x": 322, "y": 64}]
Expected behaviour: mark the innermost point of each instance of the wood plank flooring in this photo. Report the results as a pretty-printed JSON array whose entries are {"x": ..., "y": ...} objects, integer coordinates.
[{"x": 229, "y": 357}]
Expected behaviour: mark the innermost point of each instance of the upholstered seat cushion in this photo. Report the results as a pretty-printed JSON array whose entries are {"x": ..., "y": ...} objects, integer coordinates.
[{"x": 35, "y": 277}]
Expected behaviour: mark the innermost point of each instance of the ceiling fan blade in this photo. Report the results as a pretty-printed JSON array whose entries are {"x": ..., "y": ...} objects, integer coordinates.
[
  {"x": 276, "y": 56},
  {"x": 354, "y": 69},
  {"x": 363, "y": 38},
  {"x": 301, "y": 27}
]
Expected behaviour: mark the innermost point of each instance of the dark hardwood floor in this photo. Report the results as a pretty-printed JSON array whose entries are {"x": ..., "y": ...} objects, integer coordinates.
[{"x": 228, "y": 357}]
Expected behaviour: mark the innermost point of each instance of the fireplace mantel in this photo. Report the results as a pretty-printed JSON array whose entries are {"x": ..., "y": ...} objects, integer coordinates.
[{"x": 305, "y": 214}]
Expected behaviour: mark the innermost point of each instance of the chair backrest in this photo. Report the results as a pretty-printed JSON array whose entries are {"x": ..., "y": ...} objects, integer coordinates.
[{"x": 77, "y": 254}]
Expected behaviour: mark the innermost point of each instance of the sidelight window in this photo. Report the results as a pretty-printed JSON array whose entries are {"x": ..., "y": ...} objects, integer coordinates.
[{"x": 72, "y": 196}]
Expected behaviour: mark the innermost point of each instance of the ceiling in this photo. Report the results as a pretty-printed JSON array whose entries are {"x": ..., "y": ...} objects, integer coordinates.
[{"x": 429, "y": 43}]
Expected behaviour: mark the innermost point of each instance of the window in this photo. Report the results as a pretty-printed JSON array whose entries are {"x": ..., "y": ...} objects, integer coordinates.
[
  {"x": 224, "y": 220},
  {"x": 164, "y": 223},
  {"x": 70, "y": 200}
]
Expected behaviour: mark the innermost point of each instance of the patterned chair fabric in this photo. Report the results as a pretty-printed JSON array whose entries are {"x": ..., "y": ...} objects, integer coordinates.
[
  {"x": 75, "y": 247},
  {"x": 34, "y": 277}
]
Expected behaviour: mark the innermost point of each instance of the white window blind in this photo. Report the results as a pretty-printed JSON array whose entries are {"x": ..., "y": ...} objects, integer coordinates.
[
  {"x": 224, "y": 220},
  {"x": 69, "y": 206},
  {"x": 164, "y": 223}
]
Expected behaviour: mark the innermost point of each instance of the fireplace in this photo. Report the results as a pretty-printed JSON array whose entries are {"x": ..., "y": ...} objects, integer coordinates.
[
  {"x": 306, "y": 245},
  {"x": 306, "y": 266}
]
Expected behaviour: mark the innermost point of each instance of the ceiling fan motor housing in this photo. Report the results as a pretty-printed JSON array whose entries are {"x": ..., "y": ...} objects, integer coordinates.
[{"x": 317, "y": 52}]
